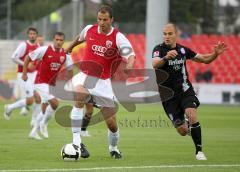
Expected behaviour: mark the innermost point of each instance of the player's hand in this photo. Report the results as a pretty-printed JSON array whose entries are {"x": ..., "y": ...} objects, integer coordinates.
[
  {"x": 171, "y": 54},
  {"x": 24, "y": 77},
  {"x": 219, "y": 48},
  {"x": 31, "y": 66}
]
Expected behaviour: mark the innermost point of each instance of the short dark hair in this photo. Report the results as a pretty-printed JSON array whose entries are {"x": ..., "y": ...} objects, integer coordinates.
[
  {"x": 59, "y": 34},
  {"x": 32, "y": 29},
  {"x": 106, "y": 9},
  {"x": 175, "y": 27}
]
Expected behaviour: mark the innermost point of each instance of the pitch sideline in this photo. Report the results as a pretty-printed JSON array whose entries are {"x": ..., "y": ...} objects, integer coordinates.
[{"x": 125, "y": 167}]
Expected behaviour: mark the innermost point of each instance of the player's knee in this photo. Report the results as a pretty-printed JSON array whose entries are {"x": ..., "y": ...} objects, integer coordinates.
[
  {"x": 29, "y": 101},
  {"x": 37, "y": 99},
  {"x": 81, "y": 95},
  {"x": 79, "y": 104},
  {"x": 88, "y": 115},
  {"x": 183, "y": 131},
  {"x": 191, "y": 114},
  {"x": 113, "y": 129},
  {"x": 54, "y": 104}
]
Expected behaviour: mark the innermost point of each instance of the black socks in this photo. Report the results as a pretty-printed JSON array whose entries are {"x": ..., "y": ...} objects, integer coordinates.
[{"x": 196, "y": 136}]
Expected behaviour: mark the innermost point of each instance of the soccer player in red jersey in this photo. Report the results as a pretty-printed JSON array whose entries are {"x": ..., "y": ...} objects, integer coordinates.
[
  {"x": 51, "y": 58},
  {"x": 105, "y": 45}
]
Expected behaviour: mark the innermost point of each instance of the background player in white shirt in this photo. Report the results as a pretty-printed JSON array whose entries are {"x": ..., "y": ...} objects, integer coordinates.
[{"x": 27, "y": 89}]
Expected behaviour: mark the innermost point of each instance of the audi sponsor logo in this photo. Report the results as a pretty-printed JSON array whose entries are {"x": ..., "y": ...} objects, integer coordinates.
[
  {"x": 98, "y": 48},
  {"x": 111, "y": 52}
]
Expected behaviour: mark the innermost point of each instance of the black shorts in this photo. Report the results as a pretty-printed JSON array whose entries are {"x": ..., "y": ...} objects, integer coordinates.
[{"x": 175, "y": 107}]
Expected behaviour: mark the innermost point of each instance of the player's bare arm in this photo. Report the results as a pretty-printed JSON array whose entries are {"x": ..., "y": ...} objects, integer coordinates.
[
  {"x": 73, "y": 44},
  {"x": 130, "y": 62},
  {"x": 159, "y": 62},
  {"x": 25, "y": 67},
  {"x": 219, "y": 48}
]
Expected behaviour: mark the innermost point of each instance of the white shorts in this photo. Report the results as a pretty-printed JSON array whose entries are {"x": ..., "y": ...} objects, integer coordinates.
[
  {"x": 100, "y": 89},
  {"x": 43, "y": 90},
  {"x": 27, "y": 87}
]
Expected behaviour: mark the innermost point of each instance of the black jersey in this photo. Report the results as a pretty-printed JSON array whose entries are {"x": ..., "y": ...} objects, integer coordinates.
[{"x": 176, "y": 68}]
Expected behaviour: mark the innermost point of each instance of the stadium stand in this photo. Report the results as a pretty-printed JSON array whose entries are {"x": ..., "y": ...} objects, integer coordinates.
[{"x": 225, "y": 69}]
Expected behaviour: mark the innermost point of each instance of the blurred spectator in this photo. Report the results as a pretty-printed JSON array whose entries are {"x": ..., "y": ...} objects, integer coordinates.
[
  {"x": 203, "y": 76},
  {"x": 40, "y": 40},
  {"x": 207, "y": 75},
  {"x": 198, "y": 75},
  {"x": 182, "y": 34},
  {"x": 55, "y": 20}
]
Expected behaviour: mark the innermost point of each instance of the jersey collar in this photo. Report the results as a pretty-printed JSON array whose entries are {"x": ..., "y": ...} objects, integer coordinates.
[
  {"x": 55, "y": 49},
  {"x": 169, "y": 48}
]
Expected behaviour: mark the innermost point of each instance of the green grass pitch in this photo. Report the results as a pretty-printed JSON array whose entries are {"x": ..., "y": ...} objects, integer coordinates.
[{"x": 148, "y": 142}]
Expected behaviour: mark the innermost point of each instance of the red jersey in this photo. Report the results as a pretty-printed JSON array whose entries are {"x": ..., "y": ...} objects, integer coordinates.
[
  {"x": 101, "y": 53},
  {"x": 29, "y": 48},
  {"x": 50, "y": 65}
]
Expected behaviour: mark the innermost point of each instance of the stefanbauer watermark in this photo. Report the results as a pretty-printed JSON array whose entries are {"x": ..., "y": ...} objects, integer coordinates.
[
  {"x": 128, "y": 94},
  {"x": 141, "y": 122}
]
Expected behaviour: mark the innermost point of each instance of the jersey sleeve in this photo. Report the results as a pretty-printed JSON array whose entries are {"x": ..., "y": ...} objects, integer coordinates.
[
  {"x": 124, "y": 46},
  {"x": 189, "y": 53},
  {"x": 38, "y": 53},
  {"x": 19, "y": 52},
  {"x": 69, "y": 62},
  {"x": 156, "y": 52},
  {"x": 82, "y": 35}
]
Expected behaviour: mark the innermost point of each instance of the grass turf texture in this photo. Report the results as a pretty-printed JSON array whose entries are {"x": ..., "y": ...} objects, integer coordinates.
[{"x": 147, "y": 139}]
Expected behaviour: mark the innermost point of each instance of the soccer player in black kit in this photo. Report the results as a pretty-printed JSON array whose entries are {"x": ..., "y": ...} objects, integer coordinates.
[{"x": 182, "y": 107}]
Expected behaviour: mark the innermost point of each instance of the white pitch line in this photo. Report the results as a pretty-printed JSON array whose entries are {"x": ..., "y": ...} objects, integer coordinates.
[{"x": 125, "y": 167}]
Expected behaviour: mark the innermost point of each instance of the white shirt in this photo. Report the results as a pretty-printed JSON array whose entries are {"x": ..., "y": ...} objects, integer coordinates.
[
  {"x": 123, "y": 44},
  {"x": 19, "y": 52},
  {"x": 39, "y": 53}
]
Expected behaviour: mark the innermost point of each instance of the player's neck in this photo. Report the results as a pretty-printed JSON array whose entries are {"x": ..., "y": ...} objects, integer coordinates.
[
  {"x": 174, "y": 45},
  {"x": 105, "y": 32},
  {"x": 57, "y": 49},
  {"x": 31, "y": 42}
]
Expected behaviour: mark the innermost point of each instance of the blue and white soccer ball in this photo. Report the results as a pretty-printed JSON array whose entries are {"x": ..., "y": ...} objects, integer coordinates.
[{"x": 70, "y": 153}]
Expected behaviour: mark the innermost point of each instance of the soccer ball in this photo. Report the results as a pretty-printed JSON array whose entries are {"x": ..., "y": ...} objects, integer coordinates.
[{"x": 70, "y": 152}]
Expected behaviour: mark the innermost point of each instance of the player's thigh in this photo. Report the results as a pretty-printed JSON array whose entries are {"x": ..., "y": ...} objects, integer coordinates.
[
  {"x": 37, "y": 97},
  {"x": 174, "y": 112},
  {"x": 78, "y": 85},
  {"x": 189, "y": 99},
  {"x": 190, "y": 104},
  {"x": 43, "y": 90},
  {"x": 103, "y": 94},
  {"x": 21, "y": 84}
]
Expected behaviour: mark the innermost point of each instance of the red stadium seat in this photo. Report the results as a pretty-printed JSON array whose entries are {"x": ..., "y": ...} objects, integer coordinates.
[{"x": 225, "y": 68}]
